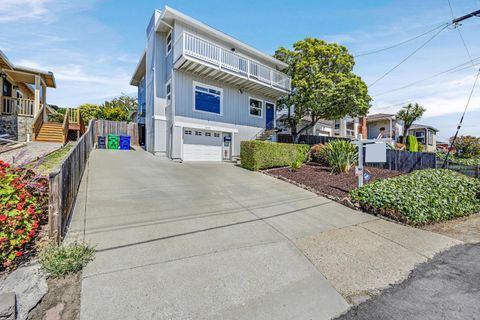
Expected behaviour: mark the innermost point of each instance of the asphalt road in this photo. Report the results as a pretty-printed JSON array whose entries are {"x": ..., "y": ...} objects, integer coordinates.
[{"x": 446, "y": 287}]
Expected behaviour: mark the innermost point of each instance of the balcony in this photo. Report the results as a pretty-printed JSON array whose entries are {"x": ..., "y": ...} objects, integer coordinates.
[
  {"x": 200, "y": 56},
  {"x": 17, "y": 107}
]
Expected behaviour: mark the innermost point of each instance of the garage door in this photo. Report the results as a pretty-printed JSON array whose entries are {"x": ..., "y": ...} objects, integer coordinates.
[{"x": 202, "y": 145}]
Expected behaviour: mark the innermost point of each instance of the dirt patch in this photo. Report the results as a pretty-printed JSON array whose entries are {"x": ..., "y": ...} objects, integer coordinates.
[
  {"x": 466, "y": 229},
  {"x": 323, "y": 182},
  {"x": 62, "y": 300}
]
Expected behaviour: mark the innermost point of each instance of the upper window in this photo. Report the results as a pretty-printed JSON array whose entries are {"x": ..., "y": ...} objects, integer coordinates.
[
  {"x": 168, "y": 91},
  {"x": 430, "y": 137},
  {"x": 256, "y": 107},
  {"x": 169, "y": 42},
  {"x": 420, "y": 135},
  {"x": 207, "y": 98}
]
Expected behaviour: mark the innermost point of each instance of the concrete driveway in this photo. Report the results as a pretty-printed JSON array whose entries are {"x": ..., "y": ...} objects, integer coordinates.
[{"x": 211, "y": 241}]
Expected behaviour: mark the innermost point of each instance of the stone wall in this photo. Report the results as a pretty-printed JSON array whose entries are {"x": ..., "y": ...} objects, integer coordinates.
[
  {"x": 24, "y": 125},
  {"x": 8, "y": 125}
]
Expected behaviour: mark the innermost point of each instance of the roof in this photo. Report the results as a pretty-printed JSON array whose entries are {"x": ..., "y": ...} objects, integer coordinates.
[
  {"x": 380, "y": 116},
  {"x": 423, "y": 126},
  {"x": 170, "y": 14},
  {"x": 140, "y": 70},
  {"x": 26, "y": 74}
]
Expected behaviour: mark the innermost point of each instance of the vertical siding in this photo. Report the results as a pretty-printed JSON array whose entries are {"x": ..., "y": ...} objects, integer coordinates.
[
  {"x": 150, "y": 92},
  {"x": 235, "y": 105}
]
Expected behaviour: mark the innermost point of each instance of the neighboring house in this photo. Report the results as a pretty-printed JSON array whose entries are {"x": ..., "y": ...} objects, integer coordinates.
[
  {"x": 321, "y": 128},
  {"x": 23, "y": 94},
  {"x": 383, "y": 125},
  {"x": 201, "y": 91},
  {"x": 426, "y": 135}
]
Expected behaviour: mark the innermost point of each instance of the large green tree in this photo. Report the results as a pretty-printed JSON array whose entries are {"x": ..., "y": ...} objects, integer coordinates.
[
  {"x": 323, "y": 84},
  {"x": 125, "y": 103},
  {"x": 409, "y": 114}
]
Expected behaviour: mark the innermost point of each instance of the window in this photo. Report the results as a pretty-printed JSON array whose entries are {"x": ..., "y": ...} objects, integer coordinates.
[
  {"x": 208, "y": 134},
  {"x": 430, "y": 137},
  {"x": 169, "y": 42},
  {"x": 198, "y": 133},
  {"x": 207, "y": 98},
  {"x": 168, "y": 91},
  {"x": 216, "y": 135},
  {"x": 420, "y": 135},
  {"x": 188, "y": 132},
  {"x": 256, "y": 107}
]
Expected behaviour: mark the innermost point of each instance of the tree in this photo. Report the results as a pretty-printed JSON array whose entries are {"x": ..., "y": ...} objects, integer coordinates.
[
  {"x": 113, "y": 114},
  {"x": 409, "y": 114},
  {"x": 125, "y": 103},
  {"x": 89, "y": 111},
  {"x": 323, "y": 84},
  {"x": 466, "y": 146}
]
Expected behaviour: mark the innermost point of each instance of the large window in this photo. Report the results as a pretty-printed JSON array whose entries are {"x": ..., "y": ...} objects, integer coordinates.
[
  {"x": 169, "y": 42},
  {"x": 256, "y": 107},
  {"x": 207, "y": 98}
]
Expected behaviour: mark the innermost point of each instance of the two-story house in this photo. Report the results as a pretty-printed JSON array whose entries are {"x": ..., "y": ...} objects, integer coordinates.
[{"x": 202, "y": 91}]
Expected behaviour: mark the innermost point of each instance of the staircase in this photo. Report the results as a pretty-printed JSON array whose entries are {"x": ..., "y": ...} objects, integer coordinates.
[{"x": 51, "y": 132}]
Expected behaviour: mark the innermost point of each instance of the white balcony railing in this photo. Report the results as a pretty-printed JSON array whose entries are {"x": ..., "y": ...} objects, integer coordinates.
[
  {"x": 17, "y": 106},
  {"x": 204, "y": 50}
]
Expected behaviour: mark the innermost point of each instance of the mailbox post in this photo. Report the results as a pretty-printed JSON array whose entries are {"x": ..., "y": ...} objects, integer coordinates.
[{"x": 375, "y": 151}]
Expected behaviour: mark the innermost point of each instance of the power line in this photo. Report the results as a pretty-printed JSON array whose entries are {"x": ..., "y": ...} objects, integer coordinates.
[
  {"x": 460, "y": 32},
  {"x": 408, "y": 57},
  {"x": 461, "y": 119},
  {"x": 463, "y": 66},
  {"x": 397, "y": 44}
]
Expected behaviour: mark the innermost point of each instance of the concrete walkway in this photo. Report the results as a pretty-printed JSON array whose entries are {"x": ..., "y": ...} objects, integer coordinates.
[{"x": 214, "y": 241}]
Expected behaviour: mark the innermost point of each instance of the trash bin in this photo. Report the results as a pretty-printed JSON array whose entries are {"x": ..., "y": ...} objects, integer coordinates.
[
  {"x": 102, "y": 142},
  {"x": 124, "y": 142},
  {"x": 112, "y": 141}
]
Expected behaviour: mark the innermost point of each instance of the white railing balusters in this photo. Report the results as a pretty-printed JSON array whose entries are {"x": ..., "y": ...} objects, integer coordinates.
[
  {"x": 225, "y": 59},
  {"x": 17, "y": 106}
]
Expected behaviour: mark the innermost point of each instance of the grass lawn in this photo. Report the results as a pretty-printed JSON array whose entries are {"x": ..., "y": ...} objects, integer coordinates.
[{"x": 46, "y": 164}]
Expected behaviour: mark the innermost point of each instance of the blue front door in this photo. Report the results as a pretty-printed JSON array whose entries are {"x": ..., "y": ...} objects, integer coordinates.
[{"x": 269, "y": 116}]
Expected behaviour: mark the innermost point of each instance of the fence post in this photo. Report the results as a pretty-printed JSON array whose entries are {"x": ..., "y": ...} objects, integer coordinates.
[{"x": 54, "y": 207}]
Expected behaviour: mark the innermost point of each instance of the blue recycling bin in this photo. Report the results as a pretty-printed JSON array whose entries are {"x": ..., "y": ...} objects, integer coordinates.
[
  {"x": 102, "y": 142},
  {"x": 124, "y": 142}
]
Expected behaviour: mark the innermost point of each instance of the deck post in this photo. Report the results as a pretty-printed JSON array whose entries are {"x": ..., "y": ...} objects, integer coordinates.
[{"x": 36, "y": 105}]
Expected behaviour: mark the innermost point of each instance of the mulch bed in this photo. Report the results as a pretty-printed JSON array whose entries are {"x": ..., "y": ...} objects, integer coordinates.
[{"x": 320, "y": 180}]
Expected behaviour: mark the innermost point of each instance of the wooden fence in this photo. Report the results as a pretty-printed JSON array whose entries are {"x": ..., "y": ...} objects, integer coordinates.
[
  {"x": 64, "y": 183},
  {"x": 307, "y": 139},
  {"x": 468, "y": 170},
  {"x": 406, "y": 161},
  {"x": 105, "y": 127}
]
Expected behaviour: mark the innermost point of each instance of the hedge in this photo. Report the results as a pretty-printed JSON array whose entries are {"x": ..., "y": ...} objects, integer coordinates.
[
  {"x": 421, "y": 197},
  {"x": 256, "y": 155}
]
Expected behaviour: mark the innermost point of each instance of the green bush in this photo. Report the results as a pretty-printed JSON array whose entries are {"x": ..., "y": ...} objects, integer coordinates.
[
  {"x": 422, "y": 196},
  {"x": 61, "y": 260},
  {"x": 341, "y": 155},
  {"x": 256, "y": 155},
  {"x": 467, "y": 147},
  {"x": 295, "y": 165},
  {"x": 412, "y": 144},
  {"x": 317, "y": 154}
]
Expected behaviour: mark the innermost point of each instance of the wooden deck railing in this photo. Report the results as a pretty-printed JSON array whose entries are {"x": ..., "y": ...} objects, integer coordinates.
[
  {"x": 38, "y": 122},
  {"x": 65, "y": 182},
  {"x": 17, "y": 106},
  {"x": 65, "y": 129}
]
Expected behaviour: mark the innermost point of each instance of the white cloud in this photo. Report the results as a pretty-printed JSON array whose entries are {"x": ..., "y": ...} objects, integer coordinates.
[{"x": 13, "y": 10}]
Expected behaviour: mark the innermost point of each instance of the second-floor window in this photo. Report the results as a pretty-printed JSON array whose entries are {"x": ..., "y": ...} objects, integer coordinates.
[
  {"x": 256, "y": 107},
  {"x": 207, "y": 98},
  {"x": 169, "y": 42},
  {"x": 168, "y": 91}
]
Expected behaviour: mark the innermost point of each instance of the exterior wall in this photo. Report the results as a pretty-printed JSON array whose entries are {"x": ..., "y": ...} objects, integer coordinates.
[
  {"x": 142, "y": 103},
  {"x": 235, "y": 105},
  {"x": 427, "y": 147},
  {"x": 18, "y": 127},
  {"x": 8, "y": 125},
  {"x": 24, "y": 125}
]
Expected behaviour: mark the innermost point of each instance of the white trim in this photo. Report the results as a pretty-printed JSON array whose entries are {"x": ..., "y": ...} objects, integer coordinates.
[
  {"x": 169, "y": 82},
  {"x": 157, "y": 117},
  {"x": 167, "y": 51},
  {"x": 205, "y": 127},
  {"x": 249, "y": 106},
  {"x": 195, "y": 83}
]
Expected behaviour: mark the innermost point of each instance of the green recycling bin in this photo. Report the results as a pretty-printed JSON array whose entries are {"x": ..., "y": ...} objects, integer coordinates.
[{"x": 112, "y": 141}]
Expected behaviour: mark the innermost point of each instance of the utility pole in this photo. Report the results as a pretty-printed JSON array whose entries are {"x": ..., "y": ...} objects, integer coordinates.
[{"x": 467, "y": 16}]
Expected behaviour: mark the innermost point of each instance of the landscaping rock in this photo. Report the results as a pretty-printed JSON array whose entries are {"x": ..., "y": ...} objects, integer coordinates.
[
  {"x": 8, "y": 306},
  {"x": 29, "y": 284}
]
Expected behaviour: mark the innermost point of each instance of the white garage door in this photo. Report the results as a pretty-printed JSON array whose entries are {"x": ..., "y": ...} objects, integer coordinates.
[{"x": 202, "y": 145}]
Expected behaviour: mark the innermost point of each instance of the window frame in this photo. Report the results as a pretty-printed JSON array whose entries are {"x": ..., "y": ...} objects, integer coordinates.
[
  {"x": 262, "y": 111},
  {"x": 168, "y": 95},
  {"x": 430, "y": 137},
  {"x": 207, "y": 86},
  {"x": 420, "y": 138},
  {"x": 168, "y": 43}
]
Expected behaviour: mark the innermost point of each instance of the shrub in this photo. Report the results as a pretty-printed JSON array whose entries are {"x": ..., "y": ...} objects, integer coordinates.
[
  {"x": 23, "y": 200},
  {"x": 422, "y": 196},
  {"x": 467, "y": 147},
  {"x": 255, "y": 155},
  {"x": 295, "y": 165},
  {"x": 341, "y": 155},
  {"x": 317, "y": 154},
  {"x": 412, "y": 144},
  {"x": 61, "y": 260}
]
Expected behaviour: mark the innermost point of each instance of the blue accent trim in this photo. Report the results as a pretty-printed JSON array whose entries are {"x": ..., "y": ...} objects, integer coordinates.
[{"x": 207, "y": 102}]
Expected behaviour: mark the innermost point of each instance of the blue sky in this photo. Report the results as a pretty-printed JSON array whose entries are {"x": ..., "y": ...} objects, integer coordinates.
[{"x": 92, "y": 46}]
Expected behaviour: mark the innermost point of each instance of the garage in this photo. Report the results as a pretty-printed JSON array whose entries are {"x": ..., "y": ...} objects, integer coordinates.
[{"x": 202, "y": 145}]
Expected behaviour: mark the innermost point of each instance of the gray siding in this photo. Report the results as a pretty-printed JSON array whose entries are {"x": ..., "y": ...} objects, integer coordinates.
[{"x": 235, "y": 104}]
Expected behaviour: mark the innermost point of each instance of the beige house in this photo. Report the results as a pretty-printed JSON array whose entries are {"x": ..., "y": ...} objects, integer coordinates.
[
  {"x": 23, "y": 99},
  {"x": 426, "y": 136},
  {"x": 384, "y": 125}
]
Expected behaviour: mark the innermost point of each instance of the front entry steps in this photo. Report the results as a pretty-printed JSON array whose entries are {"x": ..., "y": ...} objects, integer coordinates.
[{"x": 51, "y": 132}]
